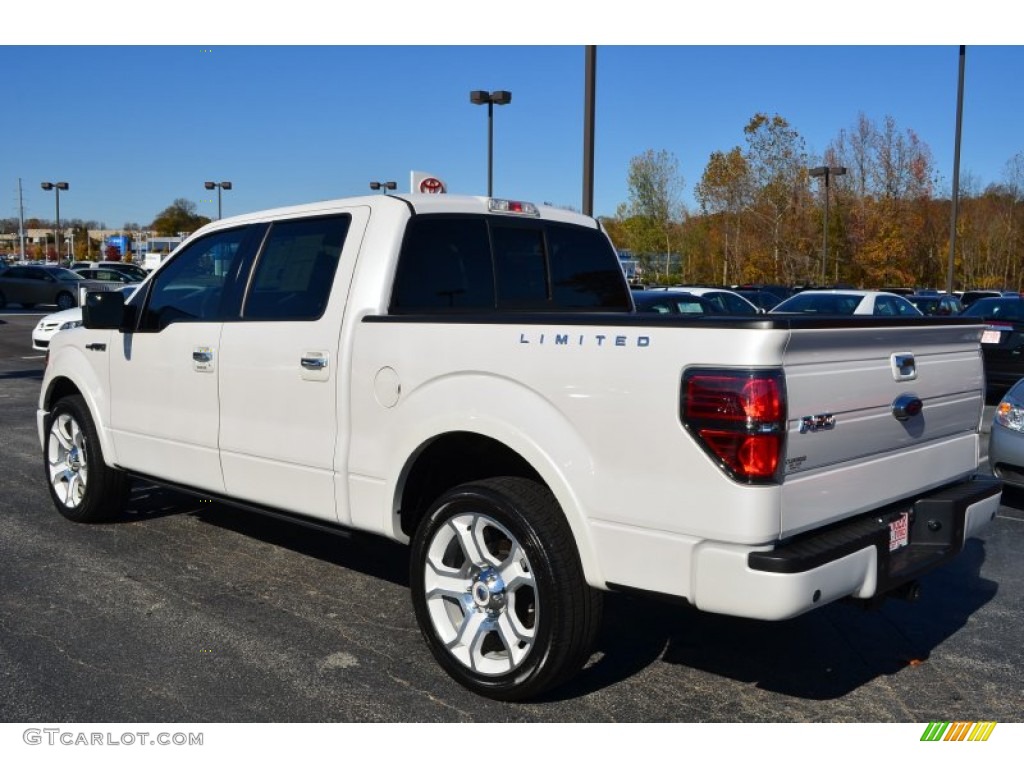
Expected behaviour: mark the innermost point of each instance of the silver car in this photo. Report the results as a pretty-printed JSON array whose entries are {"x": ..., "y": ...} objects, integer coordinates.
[
  {"x": 30, "y": 284},
  {"x": 1006, "y": 443}
]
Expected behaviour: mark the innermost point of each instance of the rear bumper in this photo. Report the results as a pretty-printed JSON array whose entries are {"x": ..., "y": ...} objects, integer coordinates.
[{"x": 850, "y": 559}]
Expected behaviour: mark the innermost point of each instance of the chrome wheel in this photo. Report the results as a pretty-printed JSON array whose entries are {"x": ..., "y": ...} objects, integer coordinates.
[
  {"x": 480, "y": 594},
  {"x": 67, "y": 458},
  {"x": 498, "y": 588}
]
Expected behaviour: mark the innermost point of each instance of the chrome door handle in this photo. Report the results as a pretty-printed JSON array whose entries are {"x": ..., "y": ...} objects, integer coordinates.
[
  {"x": 202, "y": 357},
  {"x": 314, "y": 363}
]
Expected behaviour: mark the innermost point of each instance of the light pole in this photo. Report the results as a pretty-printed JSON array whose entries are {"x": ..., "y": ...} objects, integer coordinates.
[
  {"x": 490, "y": 99},
  {"x": 384, "y": 186},
  {"x": 56, "y": 186},
  {"x": 218, "y": 186},
  {"x": 826, "y": 171}
]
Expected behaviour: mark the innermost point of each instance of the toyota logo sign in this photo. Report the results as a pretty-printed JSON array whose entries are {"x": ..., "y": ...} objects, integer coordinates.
[{"x": 432, "y": 186}]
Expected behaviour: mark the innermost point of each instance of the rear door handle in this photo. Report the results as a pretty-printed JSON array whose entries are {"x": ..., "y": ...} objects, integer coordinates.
[
  {"x": 314, "y": 363},
  {"x": 202, "y": 360}
]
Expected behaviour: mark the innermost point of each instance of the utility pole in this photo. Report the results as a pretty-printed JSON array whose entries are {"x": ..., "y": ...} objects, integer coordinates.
[
  {"x": 955, "y": 208},
  {"x": 21, "y": 223},
  {"x": 589, "y": 91}
]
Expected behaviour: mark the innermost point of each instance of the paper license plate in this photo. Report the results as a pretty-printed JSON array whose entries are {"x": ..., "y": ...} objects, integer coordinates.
[
  {"x": 990, "y": 337},
  {"x": 899, "y": 532}
]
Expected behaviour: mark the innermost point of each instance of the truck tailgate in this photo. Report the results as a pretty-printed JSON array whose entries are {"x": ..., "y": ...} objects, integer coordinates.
[{"x": 877, "y": 413}]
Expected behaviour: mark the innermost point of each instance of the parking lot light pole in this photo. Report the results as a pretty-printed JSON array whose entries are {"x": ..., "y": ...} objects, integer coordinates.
[
  {"x": 56, "y": 186},
  {"x": 826, "y": 171},
  {"x": 490, "y": 99},
  {"x": 218, "y": 186},
  {"x": 383, "y": 186}
]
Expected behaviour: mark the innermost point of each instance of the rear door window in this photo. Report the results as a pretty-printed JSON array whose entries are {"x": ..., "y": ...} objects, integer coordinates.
[{"x": 295, "y": 270}]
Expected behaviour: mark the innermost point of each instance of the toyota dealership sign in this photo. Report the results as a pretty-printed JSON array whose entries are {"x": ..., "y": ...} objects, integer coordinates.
[{"x": 421, "y": 183}]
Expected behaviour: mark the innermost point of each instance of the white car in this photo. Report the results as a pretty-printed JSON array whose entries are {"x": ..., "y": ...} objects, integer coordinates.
[
  {"x": 847, "y": 302},
  {"x": 61, "y": 321},
  {"x": 51, "y": 324}
]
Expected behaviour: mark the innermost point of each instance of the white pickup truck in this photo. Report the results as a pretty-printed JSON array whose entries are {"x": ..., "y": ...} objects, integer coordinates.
[{"x": 468, "y": 375}]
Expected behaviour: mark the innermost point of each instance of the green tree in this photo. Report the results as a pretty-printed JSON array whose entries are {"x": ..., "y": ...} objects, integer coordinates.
[
  {"x": 654, "y": 207},
  {"x": 179, "y": 216}
]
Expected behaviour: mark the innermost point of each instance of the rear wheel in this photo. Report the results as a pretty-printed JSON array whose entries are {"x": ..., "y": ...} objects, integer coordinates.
[
  {"x": 82, "y": 486},
  {"x": 498, "y": 589},
  {"x": 65, "y": 300}
]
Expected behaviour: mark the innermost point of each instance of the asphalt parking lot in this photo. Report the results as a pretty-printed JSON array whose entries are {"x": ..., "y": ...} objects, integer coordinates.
[{"x": 186, "y": 611}]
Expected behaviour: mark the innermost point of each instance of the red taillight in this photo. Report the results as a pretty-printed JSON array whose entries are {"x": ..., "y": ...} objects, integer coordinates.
[{"x": 739, "y": 418}]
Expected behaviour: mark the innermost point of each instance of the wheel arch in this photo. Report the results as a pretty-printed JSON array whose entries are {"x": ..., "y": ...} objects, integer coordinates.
[
  {"x": 77, "y": 378},
  {"x": 453, "y": 458}
]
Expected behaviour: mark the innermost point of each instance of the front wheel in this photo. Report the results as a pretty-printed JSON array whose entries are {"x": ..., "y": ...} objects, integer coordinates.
[
  {"x": 81, "y": 486},
  {"x": 498, "y": 589}
]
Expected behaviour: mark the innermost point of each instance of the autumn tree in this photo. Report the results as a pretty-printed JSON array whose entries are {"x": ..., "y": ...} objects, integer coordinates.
[
  {"x": 723, "y": 192},
  {"x": 179, "y": 216},
  {"x": 777, "y": 163}
]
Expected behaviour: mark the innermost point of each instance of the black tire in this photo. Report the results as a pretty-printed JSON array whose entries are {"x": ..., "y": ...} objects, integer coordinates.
[
  {"x": 505, "y": 638},
  {"x": 66, "y": 300},
  {"x": 83, "y": 488}
]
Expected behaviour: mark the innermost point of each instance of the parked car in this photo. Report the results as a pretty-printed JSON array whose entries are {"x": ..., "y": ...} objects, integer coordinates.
[
  {"x": 848, "y": 302},
  {"x": 760, "y": 297},
  {"x": 672, "y": 303},
  {"x": 969, "y": 297},
  {"x": 1006, "y": 442},
  {"x": 31, "y": 285},
  {"x": 132, "y": 270},
  {"x": 1002, "y": 342},
  {"x": 109, "y": 274},
  {"x": 941, "y": 305},
  {"x": 726, "y": 301},
  {"x": 64, "y": 320}
]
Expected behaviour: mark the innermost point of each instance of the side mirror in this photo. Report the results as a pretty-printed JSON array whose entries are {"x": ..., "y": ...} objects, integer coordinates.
[{"x": 103, "y": 310}]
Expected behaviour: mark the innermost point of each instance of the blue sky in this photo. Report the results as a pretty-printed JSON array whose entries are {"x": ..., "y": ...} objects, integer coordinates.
[{"x": 139, "y": 126}]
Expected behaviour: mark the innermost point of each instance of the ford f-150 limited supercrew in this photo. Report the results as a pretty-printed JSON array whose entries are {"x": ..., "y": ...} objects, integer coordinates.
[{"x": 468, "y": 375}]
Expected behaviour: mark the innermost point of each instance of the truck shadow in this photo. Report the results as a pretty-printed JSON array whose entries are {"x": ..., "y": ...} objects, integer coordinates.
[
  {"x": 32, "y": 373},
  {"x": 821, "y": 655},
  {"x": 1013, "y": 497},
  {"x": 372, "y": 555}
]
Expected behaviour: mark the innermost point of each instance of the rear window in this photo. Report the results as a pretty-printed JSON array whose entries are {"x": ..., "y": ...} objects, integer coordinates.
[{"x": 477, "y": 263}]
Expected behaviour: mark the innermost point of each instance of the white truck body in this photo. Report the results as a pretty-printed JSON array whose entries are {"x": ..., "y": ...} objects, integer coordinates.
[{"x": 362, "y": 416}]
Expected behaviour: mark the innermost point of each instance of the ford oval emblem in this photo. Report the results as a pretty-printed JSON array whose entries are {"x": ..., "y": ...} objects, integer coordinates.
[{"x": 906, "y": 407}]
